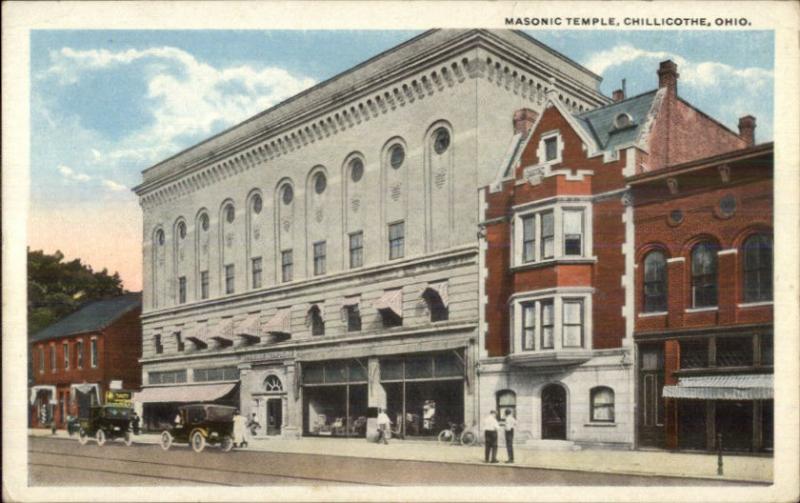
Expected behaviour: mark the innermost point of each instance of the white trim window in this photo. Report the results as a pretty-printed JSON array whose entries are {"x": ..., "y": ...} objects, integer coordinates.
[
  {"x": 552, "y": 321},
  {"x": 550, "y": 148},
  {"x": 41, "y": 359},
  {"x": 65, "y": 349},
  {"x": 94, "y": 352},
  {"x": 53, "y": 362},
  {"x": 558, "y": 231}
]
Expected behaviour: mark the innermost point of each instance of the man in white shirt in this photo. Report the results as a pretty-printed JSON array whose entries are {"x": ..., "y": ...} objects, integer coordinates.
[
  {"x": 509, "y": 425},
  {"x": 383, "y": 426},
  {"x": 490, "y": 427}
]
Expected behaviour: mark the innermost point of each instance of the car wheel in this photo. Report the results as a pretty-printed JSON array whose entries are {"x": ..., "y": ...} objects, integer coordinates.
[
  {"x": 100, "y": 437},
  {"x": 82, "y": 437},
  {"x": 166, "y": 440},
  {"x": 226, "y": 444},
  {"x": 198, "y": 442},
  {"x": 468, "y": 438},
  {"x": 128, "y": 438}
]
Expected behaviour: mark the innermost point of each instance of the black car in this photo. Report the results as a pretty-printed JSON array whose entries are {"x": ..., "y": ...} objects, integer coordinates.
[
  {"x": 106, "y": 422},
  {"x": 201, "y": 424}
]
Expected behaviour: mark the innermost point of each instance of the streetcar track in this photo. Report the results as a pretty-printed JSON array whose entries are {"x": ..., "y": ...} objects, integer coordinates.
[
  {"x": 115, "y": 472},
  {"x": 192, "y": 467}
]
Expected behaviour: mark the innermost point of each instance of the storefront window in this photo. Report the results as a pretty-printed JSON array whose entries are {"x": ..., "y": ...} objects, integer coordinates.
[
  {"x": 335, "y": 398},
  {"x": 506, "y": 401}
]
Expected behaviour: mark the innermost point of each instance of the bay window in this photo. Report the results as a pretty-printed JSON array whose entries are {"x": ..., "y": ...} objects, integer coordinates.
[
  {"x": 555, "y": 232},
  {"x": 548, "y": 320},
  {"x": 573, "y": 323},
  {"x": 552, "y": 321}
]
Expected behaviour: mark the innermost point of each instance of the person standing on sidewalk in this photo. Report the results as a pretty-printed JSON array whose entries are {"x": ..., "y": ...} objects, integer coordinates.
[
  {"x": 490, "y": 427},
  {"x": 509, "y": 425},
  {"x": 384, "y": 423},
  {"x": 239, "y": 427}
]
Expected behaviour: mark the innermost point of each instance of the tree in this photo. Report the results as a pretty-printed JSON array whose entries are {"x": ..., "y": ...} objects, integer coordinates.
[{"x": 57, "y": 288}]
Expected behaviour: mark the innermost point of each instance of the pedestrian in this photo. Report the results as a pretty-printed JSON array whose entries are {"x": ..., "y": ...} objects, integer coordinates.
[
  {"x": 239, "y": 429},
  {"x": 135, "y": 423},
  {"x": 384, "y": 424},
  {"x": 490, "y": 427},
  {"x": 253, "y": 425},
  {"x": 509, "y": 425}
]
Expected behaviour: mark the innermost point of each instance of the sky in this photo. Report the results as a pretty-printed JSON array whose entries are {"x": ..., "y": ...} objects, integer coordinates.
[{"x": 107, "y": 104}]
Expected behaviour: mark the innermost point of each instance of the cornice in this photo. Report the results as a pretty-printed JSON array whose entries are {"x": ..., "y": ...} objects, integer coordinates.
[{"x": 442, "y": 66}]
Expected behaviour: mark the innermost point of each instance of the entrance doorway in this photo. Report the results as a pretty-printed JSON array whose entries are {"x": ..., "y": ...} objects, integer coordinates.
[
  {"x": 554, "y": 412},
  {"x": 651, "y": 405},
  {"x": 274, "y": 416}
]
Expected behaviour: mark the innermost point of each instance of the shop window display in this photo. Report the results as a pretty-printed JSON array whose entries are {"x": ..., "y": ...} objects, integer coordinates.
[{"x": 335, "y": 398}]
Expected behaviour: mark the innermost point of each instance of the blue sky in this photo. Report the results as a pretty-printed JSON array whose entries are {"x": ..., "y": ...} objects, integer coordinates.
[{"x": 107, "y": 104}]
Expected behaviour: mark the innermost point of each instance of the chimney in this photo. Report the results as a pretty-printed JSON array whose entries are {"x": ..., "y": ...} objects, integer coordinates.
[
  {"x": 668, "y": 76},
  {"x": 523, "y": 120},
  {"x": 618, "y": 95},
  {"x": 747, "y": 129}
]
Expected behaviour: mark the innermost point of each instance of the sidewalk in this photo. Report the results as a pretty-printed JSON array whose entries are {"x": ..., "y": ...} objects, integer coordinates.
[{"x": 663, "y": 463}]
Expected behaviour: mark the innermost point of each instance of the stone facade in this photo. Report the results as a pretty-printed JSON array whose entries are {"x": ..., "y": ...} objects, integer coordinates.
[{"x": 261, "y": 242}]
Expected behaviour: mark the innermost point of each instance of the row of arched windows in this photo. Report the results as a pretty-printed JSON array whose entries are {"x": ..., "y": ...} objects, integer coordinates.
[{"x": 755, "y": 265}]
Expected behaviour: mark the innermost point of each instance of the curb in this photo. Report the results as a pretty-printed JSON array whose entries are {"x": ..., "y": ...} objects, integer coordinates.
[{"x": 479, "y": 463}]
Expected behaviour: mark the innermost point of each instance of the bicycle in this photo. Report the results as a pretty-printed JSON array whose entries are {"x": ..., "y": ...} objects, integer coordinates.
[{"x": 458, "y": 434}]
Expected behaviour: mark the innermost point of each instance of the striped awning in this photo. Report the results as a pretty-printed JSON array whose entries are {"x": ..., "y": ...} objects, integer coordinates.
[
  {"x": 438, "y": 292},
  {"x": 279, "y": 323},
  {"x": 50, "y": 389},
  {"x": 183, "y": 394},
  {"x": 250, "y": 327},
  {"x": 725, "y": 387},
  {"x": 391, "y": 302},
  {"x": 196, "y": 336}
]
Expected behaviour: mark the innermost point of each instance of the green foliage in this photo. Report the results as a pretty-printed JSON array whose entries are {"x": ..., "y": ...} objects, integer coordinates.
[{"x": 57, "y": 288}]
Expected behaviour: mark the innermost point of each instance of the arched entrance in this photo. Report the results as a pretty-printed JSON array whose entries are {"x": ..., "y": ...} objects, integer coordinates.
[
  {"x": 274, "y": 401},
  {"x": 554, "y": 412}
]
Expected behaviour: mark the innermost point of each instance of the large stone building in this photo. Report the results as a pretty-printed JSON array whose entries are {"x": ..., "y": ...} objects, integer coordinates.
[
  {"x": 559, "y": 248},
  {"x": 321, "y": 257}
]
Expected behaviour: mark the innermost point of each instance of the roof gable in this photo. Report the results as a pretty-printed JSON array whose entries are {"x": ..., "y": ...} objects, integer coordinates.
[{"x": 92, "y": 317}]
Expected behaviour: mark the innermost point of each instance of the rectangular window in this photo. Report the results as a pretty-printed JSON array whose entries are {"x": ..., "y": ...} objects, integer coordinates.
[
  {"x": 734, "y": 351},
  {"x": 182, "y": 290},
  {"x": 548, "y": 322},
  {"x": 573, "y": 324},
  {"x": 528, "y": 238},
  {"x": 53, "y": 366},
  {"x": 694, "y": 354},
  {"x": 217, "y": 374},
  {"x": 179, "y": 341},
  {"x": 550, "y": 148},
  {"x": 528, "y": 326},
  {"x": 356, "y": 249},
  {"x": 93, "y": 349},
  {"x": 79, "y": 353},
  {"x": 573, "y": 232},
  {"x": 319, "y": 258},
  {"x": 256, "y": 268},
  {"x": 204, "y": 285},
  {"x": 286, "y": 265},
  {"x": 229, "y": 277},
  {"x": 353, "y": 318},
  {"x": 548, "y": 235},
  {"x": 65, "y": 349},
  {"x": 396, "y": 240},
  {"x": 41, "y": 360},
  {"x": 167, "y": 377},
  {"x": 157, "y": 344}
]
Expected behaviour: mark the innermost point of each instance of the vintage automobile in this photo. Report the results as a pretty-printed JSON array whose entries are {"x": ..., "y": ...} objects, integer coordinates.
[
  {"x": 201, "y": 424},
  {"x": 106, "y": 422}
]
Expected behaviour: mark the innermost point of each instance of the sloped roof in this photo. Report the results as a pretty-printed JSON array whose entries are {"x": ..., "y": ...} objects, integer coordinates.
[
  {"x": 90, "y": 318},
  {"x": 600, "y": 122}
]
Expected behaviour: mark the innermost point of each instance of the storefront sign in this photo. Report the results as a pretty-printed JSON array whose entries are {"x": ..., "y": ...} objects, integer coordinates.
[
  {"x": 119, "y": 397},
  {"x": 268, "y": 356}
]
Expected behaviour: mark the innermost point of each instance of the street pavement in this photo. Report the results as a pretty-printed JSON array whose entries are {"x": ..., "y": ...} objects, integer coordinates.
[{"x": 60, "y": 459}]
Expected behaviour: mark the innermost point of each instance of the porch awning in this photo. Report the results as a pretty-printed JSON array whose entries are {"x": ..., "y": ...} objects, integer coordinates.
[
  {"x": 43, "y": 387},
  {"x": 279, "y": 323},
  {"x": 728, "y": 387},
  {"x": 84, "y": 388},
  {"x": 390, "y": 302},
  {"x": 437, "y": 292},
  {"x": 184, "y": 394}
]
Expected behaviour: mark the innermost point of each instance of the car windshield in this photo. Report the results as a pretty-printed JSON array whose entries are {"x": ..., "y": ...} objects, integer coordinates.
[{"x": 117, "y": 412}]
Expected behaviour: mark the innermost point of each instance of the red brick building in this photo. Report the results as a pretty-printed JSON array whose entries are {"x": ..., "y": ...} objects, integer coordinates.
[
  {"x": 75, "y": 359},
  {"x": 557, "y": 244},
  {"x": 704, "y": 301}
]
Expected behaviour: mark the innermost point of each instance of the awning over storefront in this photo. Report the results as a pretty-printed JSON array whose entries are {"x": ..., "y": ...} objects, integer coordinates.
[
  {"x": 391, "y": 302},
  {"x": 437, "y": 292},
  {"x": 279, "y": 323},
  {"x": 184, "y": 394},
  {"x": 728, "y": 387},
  {"x": 85, "y": 388},
  {"x": 250, "y": 328},
  {"x": 43, "y": 387}
]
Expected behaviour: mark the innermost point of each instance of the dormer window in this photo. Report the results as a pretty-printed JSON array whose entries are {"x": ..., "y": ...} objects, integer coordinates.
[
  {"x": 550, "y": 149},
  {"x": 622, "y": 121}
]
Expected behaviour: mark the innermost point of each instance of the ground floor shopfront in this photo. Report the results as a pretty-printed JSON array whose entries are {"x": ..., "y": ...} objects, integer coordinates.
[
  {"x": 53, "y": 404},
  {"x": 423, "y": 385},
  {"x": 585, "y": 401}
]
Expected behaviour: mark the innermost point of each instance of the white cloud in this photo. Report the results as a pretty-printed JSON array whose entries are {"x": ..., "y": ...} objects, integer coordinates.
[
  {"x": 71, "y": 174},
  {"x": 187, "y": 99},
  {"x": 114, "y": 186},
  {"x": 601, "y": 61}
]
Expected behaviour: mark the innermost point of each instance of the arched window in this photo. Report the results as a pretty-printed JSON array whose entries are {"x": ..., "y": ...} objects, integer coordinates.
[
  {"x": 272, "y": 383},
  {"x": 655, "y": 282},
  {"x": 704, "y": 275},
  {"x": 602, "y": 399},
  {"x": 758, "y": 268},
  {"x": 506, "y": 400}
]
